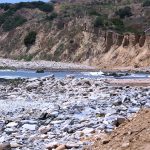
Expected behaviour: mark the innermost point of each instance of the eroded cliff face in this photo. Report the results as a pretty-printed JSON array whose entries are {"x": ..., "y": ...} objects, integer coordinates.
[{"x": 77, "y": 41}]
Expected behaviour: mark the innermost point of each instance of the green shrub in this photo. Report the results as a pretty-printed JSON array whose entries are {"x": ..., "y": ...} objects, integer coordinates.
[
  {"x": 119, "y": 25},
  {"x": 30, "y": 38},
  {"x": 52, "y": 16},
  {"x": 46, "y": 7},
  {"x": 124, "y": 12},
  {"x": 99, "y": 22},
  {"x": 5, "y": 16},
  {"x": 13, "y": 22},
  {"x": 93, "y": 12},
  {"x": 5, "y": 6},
  {"x": 60, "y": 25},
  {"x": 146, "y": 3},
  {"x": 25, "y": 57}
]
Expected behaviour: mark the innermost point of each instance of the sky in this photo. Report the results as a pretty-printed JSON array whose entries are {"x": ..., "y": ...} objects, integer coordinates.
[{"x": 16, "y": 1}]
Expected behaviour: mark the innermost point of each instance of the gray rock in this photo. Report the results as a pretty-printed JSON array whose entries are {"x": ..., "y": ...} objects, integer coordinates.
[{"x": 31, "y": 127}]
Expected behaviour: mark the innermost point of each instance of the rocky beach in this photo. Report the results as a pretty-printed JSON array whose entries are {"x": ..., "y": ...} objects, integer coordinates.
[{"x": 64, "y": 113}]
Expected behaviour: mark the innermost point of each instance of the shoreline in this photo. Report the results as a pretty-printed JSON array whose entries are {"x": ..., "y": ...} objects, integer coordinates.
[
  {"x": 45, "y": 65},
  {"x": 64, "y": 66}
]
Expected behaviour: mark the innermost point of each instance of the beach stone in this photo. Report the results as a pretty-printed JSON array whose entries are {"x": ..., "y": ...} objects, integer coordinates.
[
  {"x": 125, "y": 144},
  {"x": 70, "y": 76},
  {"x": 15, "y": 145},
  {"x": 117, "y": 102},
  {"x": 5, "y": 146},
  {"x": 120, "y": 120},
  {"x": 31, "y": 127},
  {"x": 88, "y": 130},
  {"x": 40, "y": 71},
  {"x": 61, "y": 147},
  {"x": 44, "y": 129},
  {"x": 33, "y": 85},
  {"x": 12, "y": 124},
  {"x": 70, "y": 145},
  {"x": 9, "y": 130},
  {"x": 52, "y": 145}
]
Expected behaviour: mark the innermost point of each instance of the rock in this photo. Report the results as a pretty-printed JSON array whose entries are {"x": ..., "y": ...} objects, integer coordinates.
[
  {"x": 117, "y": 102},
  {"x": 40, "y": 71},
  {"x": 9, "y": 130},
  {"x": 105, "y": 141},
  {"x": 125, "y": 144},
  {"x": 15, "y": 145},
  {"x": 43, "y": 116},
  {"x": 120, "y": 120},
  {"x": 133, "y": 110},
  {"x": 70, "y": 76},
  {"x": 2, "y": 139},
  {"x": 88, "y": 130},
  {"x": 12, "y": 124},
  {"x": 44, "y": 129},
  {"x": 86, "y": 82},
  {"x": 31, "y": 127},
  {"x": 43, "y": 136},
  {"x": 61, "y": 83},
  {"x": 61, "y": 147},
  {"x": 33, "y": 85},
  {"x": 54, "y": 114},
  {"x": 70, "y": 145},
  {"x": 5, "y": 146},
  {"x": 52, "y": 145}
]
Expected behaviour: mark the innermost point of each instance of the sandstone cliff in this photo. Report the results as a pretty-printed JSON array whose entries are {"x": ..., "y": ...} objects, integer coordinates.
[{"x": 75, "y": 40}]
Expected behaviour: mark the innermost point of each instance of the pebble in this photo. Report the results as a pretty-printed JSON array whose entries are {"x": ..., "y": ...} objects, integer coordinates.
[
  {"x": 29, "y": 127},
  {"x": 12, "y": 124},
  {"x": 5, "y": 146}
]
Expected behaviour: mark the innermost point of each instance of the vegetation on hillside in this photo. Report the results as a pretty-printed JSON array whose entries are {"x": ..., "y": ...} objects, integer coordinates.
[
  {"x": 9, "y": 21},
  {"x": 102, "y": 14},
  {"x": 146, "y": 3},
  {"x": 46, "y": 7},
  {"x": 30, "y": 38},
  {"x": 13, "y": 22},
  {"x": 124, "y": 12}
]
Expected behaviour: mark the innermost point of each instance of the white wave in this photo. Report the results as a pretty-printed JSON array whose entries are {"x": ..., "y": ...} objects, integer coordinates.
[
  {"x": 7, "y": 70},
  {"x": 10, "y": 77},
  {"x": 138, "y": 75},
  {"x": 100, "y": 73}
]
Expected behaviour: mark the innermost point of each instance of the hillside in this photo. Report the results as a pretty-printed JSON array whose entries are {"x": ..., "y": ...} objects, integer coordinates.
[
  {"x": 95, "y": 32},
  {"x": 132, "y": 135}
]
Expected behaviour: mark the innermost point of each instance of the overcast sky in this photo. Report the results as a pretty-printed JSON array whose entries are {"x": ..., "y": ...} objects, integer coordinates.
[{"x": 16, "y": 1}]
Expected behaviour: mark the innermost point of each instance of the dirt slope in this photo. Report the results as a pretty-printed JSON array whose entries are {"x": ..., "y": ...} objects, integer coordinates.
[{"x": 133, "y": 135}]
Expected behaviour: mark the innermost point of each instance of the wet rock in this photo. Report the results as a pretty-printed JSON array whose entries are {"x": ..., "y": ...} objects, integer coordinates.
[{"x": 40, "y": 71}]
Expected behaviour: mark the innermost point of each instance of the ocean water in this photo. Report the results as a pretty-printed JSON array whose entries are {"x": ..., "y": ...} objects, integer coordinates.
[{"x": 14, "y": 74}]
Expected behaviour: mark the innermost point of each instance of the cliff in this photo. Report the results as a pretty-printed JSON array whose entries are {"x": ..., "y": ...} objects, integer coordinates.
[{"x": 74, "y": 39}]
